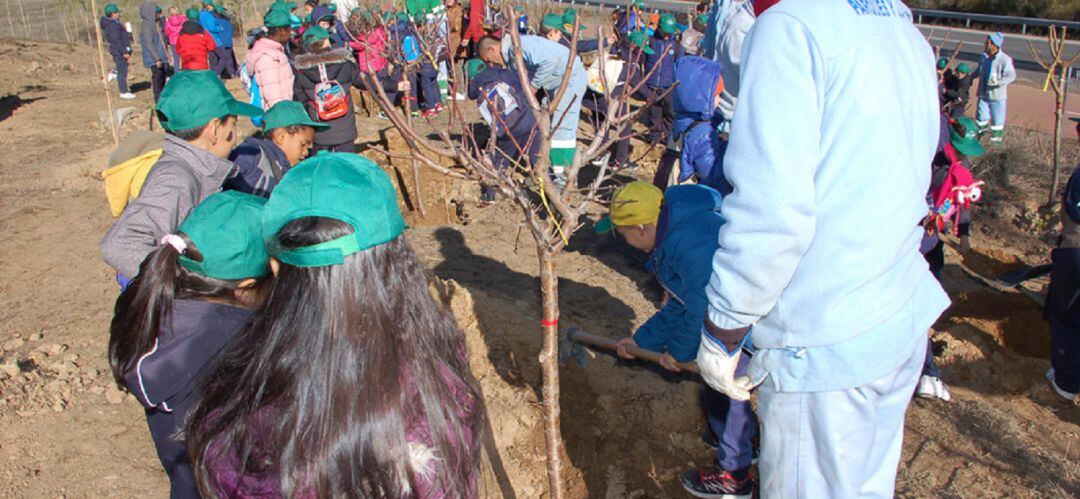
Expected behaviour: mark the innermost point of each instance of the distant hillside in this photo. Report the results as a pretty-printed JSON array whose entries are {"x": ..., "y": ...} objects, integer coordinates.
[{"x": 1050, "y": 9}]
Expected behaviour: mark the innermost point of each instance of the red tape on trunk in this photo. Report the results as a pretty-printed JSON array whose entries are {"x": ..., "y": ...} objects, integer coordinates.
[{"x": 551, "y": 323}]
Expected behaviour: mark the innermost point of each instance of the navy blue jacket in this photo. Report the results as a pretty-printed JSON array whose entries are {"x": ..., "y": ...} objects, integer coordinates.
[
  {"x": 664, "y": 76},
  {"x": 582, "y": 45},
  {"x": 168, "y": 374},
  {"x": 525, "y": 122},
  {"x": 118, "y": 38},
  {"x": 259, "y": 165},
  {"x": 695, "y": 115},
  {"x": 686, "y": 238}
]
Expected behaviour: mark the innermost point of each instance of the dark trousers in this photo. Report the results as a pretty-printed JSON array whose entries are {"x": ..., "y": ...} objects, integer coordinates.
[
  {"x": 346, "y": 147},
  {"x": 223, "y": 62},
  {"x": 1065, "y": 354},
  {"x": 158, "y": 75},
  {"x": 661, "y": 114},
  {"x": 427, "y": 81},
  {"x": 121, "y": 73},
  {"x": 172, "y": 452},
  {"x": 936, "y": 258},
  {"x": 734, "y": 424}
]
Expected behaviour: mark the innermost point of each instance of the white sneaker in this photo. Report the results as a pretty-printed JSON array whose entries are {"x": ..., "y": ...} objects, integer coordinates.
[
  {"x": 127, "y": 96},
  {"x": 112, "y": 76},
  {"x": 932, "y": 387},
  {"x": 602, "y": 160},
  {"x": 1053, "y": 384},
  {"x": 459, "y": 96}
]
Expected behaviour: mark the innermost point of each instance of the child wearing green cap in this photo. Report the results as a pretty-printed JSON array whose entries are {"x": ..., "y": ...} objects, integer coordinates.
[
  {"x": 351, "y": 378},
  {"x": 264, "y": 158},
  {"x": 193, "y": 295},
  {"x": 194, "y": 45},
  {"x": 660, "y": 68},
  {"x": 957, "y": 89},
  {"x": 198, "y": 115},
  {"x": 323, "y": 78},
  {"x": 1061, "y": 307},
  {"x": 119, "y": 41}
]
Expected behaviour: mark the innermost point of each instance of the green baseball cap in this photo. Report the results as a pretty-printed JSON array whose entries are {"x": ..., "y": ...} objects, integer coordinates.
[
  {"x": 290, "y": 113},
  {"x": 315, "y": 34},
  {"x": 191, "y": 14},
  {"x": 276, "y": 19},
  {"x": 220, "y": 9},
  {"x": 1075, "y": 119},
  {"x": 285, "y": 7},
  {"x": 964, "y": 136},
  {"x": 569, "y": 17},
  {"x": 640, "y": 39},
  {"x": 207, "y": 2},
  {"x": 942, "y": 63},
  {"x": 111, "y": 8},
  {"x": 639, "y": 4},
  {"x": 963, "y": 68},
  {"x": 553, "y": 21},
  {"x": 191, "y": 99},
  {"x": 474, "y": 67},
  {"x": 667, "y": 24},
  {"x": 341, "y": 186},
  {"x": 226, "y": 228}
]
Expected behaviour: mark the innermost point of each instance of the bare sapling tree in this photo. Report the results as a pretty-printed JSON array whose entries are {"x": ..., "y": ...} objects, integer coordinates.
[
  {"x": 113, "y": 126},
  {"x": 1056, "y": 74},
  {"x": 552, "y": 211}
]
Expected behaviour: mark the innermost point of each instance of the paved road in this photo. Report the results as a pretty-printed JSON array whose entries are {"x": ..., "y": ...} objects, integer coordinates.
[{"x": 971, "y": 45}]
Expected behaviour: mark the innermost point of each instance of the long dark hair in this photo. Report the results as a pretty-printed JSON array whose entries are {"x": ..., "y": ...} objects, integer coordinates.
[
  {"x": 148, "y": 302},
  {"x": 341, "y": 362}
]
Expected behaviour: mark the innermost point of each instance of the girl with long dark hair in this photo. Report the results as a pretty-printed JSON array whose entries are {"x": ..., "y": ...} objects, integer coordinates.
[
  {"x": 191, "y": 297},
  {"x": 351, "y": 381}
]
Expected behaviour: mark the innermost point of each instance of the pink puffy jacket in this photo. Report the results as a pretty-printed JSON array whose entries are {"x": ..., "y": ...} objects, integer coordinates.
[
  {"x": 371, "y": 51},
  {"x": 172, "y": 27},
  {"x": 270, "y": 67}
]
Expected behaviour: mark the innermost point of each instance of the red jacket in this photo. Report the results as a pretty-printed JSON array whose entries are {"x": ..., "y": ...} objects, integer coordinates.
[
  {"x": 194, "y": 50},
  {"x": 475, "y": 31}
]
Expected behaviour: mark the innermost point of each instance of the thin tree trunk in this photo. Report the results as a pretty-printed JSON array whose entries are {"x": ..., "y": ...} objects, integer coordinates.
[
  {"x": 1059, "y": 118},
  {"x": 105, "y": 80},
  {"x": 67, "y": 32},
  {"x": 11, "y": 22},
  {"x": 26, "y": 25},
  {"x": 549, "y": 365}
]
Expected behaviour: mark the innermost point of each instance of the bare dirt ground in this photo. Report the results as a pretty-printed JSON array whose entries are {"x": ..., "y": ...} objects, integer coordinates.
[{"x": 629, "y": 429}]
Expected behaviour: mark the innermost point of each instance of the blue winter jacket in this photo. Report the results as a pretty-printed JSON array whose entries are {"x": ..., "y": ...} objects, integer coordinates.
[
  {"x": 686, "y": 238},
  {"x": 253, "y": 175},
  {"x": 210, "y": 23},
  {"x": 695, "y": 121},
  {"x": 117, "y": 37},
  {"x": 225, "y": 38},
  {"x": 664, "y": 76}
]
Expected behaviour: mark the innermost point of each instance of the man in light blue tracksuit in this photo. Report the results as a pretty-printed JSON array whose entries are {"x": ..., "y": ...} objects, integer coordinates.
[
  {"x": 545, "y": 61},
  {"x": 839, "y": 313},
  {"x": 995, "y": 73}
]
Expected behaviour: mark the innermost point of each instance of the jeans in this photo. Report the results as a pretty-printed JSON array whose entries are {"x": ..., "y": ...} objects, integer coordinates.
[
  {"x": 661, "y": 114},
  {"x": 841, "y": 443},
  {"x": 223, "y": 62},
  {"x": 992, "y": 112},
  {"x": 734, "y": 424},
  {"x": 426, "y": 81},
  {"x": 1065, "y": 354},
  {"x": 172, "y": 452},
  {"x": 121, "y": 73}
]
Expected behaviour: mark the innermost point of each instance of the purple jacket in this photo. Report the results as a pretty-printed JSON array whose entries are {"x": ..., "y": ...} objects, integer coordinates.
[{"x": 225, "y": 466}]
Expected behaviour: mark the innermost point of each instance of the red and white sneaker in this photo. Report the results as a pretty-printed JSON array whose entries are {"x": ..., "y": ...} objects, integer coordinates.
[{"x": 715, "y": 483}]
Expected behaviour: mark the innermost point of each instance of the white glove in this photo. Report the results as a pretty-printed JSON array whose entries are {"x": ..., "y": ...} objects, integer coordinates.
[{"x": 717, "y": 368}]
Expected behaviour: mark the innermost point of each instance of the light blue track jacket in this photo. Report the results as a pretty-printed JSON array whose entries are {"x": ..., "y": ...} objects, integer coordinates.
[{"x": 833, "y": 134}]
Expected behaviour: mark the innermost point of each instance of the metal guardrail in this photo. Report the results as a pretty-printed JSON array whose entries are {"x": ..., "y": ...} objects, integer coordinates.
[
  {"x": 968, "y": 18},
  {"x": 668, "y": 5}
]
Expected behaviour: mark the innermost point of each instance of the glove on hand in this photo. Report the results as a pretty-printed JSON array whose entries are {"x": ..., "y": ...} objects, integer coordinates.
[{"x": 717, "y": 368}]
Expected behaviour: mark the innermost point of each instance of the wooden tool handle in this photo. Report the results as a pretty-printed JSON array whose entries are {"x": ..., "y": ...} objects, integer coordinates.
[{"x": 580, "y": 336}]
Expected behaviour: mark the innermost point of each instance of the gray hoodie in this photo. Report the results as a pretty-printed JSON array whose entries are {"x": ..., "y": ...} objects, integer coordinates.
[
  {"x": 183, "y": 177},
  {"x": 153, "y": 47}
]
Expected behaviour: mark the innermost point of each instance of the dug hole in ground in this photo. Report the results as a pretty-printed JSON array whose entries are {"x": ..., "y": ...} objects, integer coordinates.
[{"x": 629, "y": 429}]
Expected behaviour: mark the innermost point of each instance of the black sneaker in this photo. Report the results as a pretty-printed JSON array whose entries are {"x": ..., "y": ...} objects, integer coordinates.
[{"x": 715, "y": 483}]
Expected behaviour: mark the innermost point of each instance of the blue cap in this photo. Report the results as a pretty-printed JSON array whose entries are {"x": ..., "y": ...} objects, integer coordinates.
[{"x": 997, "y": 39}]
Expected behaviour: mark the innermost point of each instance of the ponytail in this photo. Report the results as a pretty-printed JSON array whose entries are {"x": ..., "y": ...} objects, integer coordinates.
[
  {"x": 147, "y": 303},
  {"x": 141, "y": 308}
]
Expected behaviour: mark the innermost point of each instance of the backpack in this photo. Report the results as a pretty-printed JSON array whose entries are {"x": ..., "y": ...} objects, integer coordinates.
[
  {"x": 251, "y": 86},
  {"x": 331, "y": 99},
  {"x": 957, "y": 192},
  {"x": 499, "y": 99},
  {"x": 411, "y": 48}
]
